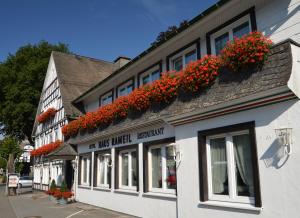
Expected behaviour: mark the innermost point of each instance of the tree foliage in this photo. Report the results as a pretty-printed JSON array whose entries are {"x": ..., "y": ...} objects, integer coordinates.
[
  {"x": 172, "y": 30},
  {"x": 10, "y": 145},
  {"x": 21, "y": 82}
]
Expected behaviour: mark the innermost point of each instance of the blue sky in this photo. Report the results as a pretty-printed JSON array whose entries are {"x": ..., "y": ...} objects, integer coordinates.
[{"x": 94, "y": 28}]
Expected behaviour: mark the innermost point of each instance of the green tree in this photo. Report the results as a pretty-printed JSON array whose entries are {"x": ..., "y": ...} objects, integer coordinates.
[
  {"x": 8, "y": 146},
  {"x": 21, "y": 82},
  {"x": 10, "y": 150}
]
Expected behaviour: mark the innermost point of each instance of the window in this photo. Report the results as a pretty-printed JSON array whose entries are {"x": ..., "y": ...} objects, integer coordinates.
[
  {"x": 177, "y": 64},
  {"x": 125, "y": 88},
  {"x": 161, "y": 169},
  {"x": 220, "y": 42},
  {"x": 106, "y": 98},
  {"x": 241, "y": 30},
  {"x": 104, "y": 169},
  {"x": 151, "y": 77},
  {"x": 229, "y": 167},
  {"x": 181, "y": 60},
  {"x": 85, "y": 170},
  {"x": 235, "y": 29},
  {"x": 128, "y": 163},
  {"x": 183, "y": 56}
]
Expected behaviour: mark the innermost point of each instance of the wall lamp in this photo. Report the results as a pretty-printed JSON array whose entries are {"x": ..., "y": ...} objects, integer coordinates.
[
  {"x": 175, "y": 152},
  {"x": 284, "y": 136}
]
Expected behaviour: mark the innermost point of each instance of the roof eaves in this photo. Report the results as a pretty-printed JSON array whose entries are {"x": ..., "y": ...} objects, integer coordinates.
[{"x": 153, "y": 47}]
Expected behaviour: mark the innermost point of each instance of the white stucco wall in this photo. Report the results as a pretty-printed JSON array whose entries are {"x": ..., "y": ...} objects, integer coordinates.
[
  {"x": 279, "y": 184},
  {"x": 279, "y": 19}
]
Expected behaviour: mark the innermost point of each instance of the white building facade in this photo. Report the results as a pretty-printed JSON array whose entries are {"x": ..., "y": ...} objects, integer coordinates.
[
  {"x": 219, "y": 154},
  {"x": 64, "y": 73}
]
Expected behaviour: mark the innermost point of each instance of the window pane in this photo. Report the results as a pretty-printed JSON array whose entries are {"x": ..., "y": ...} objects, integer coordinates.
[
  {"x": 177, "y": 64},
  {"x": 146, "y": 79},
  {"x": 106, "y": 100},
  {"x": 133, "y": 169},
  {"x": 125, "y": 169},
  {"x": 156, "y": 168},
  {"x": 129, "y": 89},
  {"x": 191, "y": 56},
  {"x": 84, "y": 170},
  {"x": 101, "y": 168},
  {"x": 241, "y": 30},
  {"x": 108, "y": 175},
  {"x": 243, "y": 165},
  {"x": 219, "y": 166},
  {"x": 171, "y": 169},
  {"x": 122, "y": 91},
  {"x": 220, "y": 42},
  {"x": 155, "y": 76}
]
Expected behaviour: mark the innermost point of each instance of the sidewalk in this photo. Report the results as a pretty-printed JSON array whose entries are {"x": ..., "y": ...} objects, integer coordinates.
[
  {"x": 6, "y": 210},
  {"x": 37, "y": 205}
]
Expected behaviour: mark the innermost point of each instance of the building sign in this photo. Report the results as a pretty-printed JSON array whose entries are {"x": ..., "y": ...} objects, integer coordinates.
[
  {"x": 150, "y": 133},
  {"x": 13, "y": 180},
  {"x": 154, "y": 133}
]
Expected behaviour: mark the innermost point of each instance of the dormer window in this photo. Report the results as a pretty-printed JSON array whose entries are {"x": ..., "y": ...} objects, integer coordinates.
[
  {"x": 183, "y": 56},
  {"x": 125, "y": 88},
  {"x": 234, "y": 28},
  {"x": 150, "y": 74},
  {"x": 106, "y": 98}
]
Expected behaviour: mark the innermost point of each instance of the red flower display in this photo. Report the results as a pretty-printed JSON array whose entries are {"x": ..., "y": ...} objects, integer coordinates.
[
  {"x": 120, "y": 107},
  {"x": 44, "y": 117},
  {"x": 251, "y": 48},
  {"x": 165, "y": 89},
  {"x": 46, "y": 149},
  {"x": 199, "y": 74},
  {"x": 139, "y": 99},
  {"x": 58, "y": 194}
]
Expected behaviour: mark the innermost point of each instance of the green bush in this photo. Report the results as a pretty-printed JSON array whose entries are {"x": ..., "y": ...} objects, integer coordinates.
[
  {"x": 63, "y": 187},
  {"x": 53, "y": 185}
]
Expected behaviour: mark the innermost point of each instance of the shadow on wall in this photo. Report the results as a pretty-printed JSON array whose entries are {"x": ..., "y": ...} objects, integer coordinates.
[
  {"x": 283, "y": 15},
  {"x": 275, "y": 156}
]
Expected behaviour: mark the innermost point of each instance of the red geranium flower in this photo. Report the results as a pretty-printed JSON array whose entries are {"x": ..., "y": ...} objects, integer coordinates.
[{"x": 44, "y": 117}]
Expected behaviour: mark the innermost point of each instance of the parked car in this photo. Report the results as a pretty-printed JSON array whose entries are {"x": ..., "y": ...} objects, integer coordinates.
[{"x": 25, "y": 182}]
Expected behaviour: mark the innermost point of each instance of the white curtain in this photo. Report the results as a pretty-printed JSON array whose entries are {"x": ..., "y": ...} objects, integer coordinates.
[
  {"x": 242, "y": 156},
  {"x": 156, "y": 168},
  {"x": 219, "y": 166}
]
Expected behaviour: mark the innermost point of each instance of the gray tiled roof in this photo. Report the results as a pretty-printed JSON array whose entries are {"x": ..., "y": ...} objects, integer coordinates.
[{"x": 76, "y": 74}]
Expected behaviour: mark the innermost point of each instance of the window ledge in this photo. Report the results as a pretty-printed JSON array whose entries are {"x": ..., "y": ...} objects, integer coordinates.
[
  {"x": 84, "y": 187},
  {"x": 99, "y": 188},
  {"x": 160, "y": 195},
  {"x": 126, "y": 191},
  {"x": 240, "y": 206}
]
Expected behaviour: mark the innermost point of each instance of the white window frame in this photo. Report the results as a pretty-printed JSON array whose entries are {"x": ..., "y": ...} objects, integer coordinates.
[
  {"x": 149, "y": 73},
  {"x": 232, "y": 197},
  {"x": 164, "y": 188},
  {"x": 87, "y": 183},
  {"x": 106, "y": 168},
  {"x": 229, "y": 29},
  {"x": 182, "y": 54},
  {"x": 104, "y": 97},
  {"x": 125, "y": 85},
  {"x": 130, "y": 186}
]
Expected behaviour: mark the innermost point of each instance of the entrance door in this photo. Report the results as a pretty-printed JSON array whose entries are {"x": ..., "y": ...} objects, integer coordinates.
[{"x": 69, "y": 176}]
